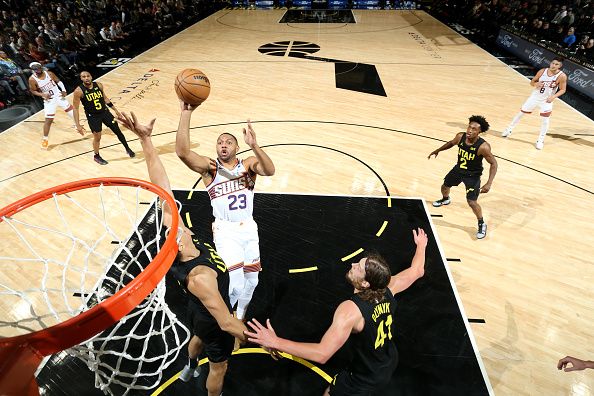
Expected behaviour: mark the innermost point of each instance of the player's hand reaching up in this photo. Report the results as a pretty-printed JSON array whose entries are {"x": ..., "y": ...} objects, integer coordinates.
[
  {"x": 264, "y": 336},
  {"x": 187, "y": 107},
  {"x": 420, "y": 237},
  {"x": 433, "y": 153},
  {"x": 249, "y": 135},
  {"x": 131, "y": 122}
]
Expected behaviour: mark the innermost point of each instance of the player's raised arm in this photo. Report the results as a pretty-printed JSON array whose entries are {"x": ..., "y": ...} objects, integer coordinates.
[
  {"x": 193, "y": 160},
  {"x": 156, "y": 170},
  {"x": 402, "y": 280},
  {"x": 261, "y": 164}
]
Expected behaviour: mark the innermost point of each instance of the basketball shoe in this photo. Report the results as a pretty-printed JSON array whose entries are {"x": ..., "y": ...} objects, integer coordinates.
[
  {"x": 188, "y": 373},
  {"x": 482, "y": 231},
  {"x": 44, "y": 143},
  {"x": 507, "y": 132},
  {"x": 100, "y": 160},
  {"x": 441, "y": 202}
]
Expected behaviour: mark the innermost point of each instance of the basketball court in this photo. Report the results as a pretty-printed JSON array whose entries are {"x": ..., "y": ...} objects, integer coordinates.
[{"x": 349, "y": 110}]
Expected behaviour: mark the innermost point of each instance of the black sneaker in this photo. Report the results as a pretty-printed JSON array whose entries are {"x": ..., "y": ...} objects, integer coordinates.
[
  {"x": 482, "y": 231},
  {"x": 441, "y": 202},
  {"x": 100, "y": 160},
  {"x": 130, "y": 153}
]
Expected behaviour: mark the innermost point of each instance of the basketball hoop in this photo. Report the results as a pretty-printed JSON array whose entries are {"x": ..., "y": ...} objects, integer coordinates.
[{"x": 21, "y": 355}]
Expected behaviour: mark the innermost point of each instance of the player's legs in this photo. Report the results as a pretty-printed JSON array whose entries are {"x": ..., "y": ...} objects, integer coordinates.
[
  {"x": 192, "y": 369},
  {"x": 49, "y": 109},
  {"x": 216, "y": 375},
  {"x": 453, "y": 178},
  {"x": 473, "y": 185},
  {"x": 527, "y": 108},
  {"x": 96, "y": 127},
  {"x": 251, "y": 268},
  {"x": 218, "y": 347},
  {"x": 112, "y": 124},
  {"x": 545, "y": 113},
  {"x": 229, "y": 248},
  {"x": 66, "y": 106}
]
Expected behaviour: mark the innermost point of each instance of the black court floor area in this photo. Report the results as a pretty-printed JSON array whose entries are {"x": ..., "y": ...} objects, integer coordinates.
[{"x": 307, "y": 245}]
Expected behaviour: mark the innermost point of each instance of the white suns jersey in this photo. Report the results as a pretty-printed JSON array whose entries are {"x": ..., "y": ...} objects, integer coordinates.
[
  {"x": 550, "y": 85},
  {"x": 232, "y": 193},
  {"x": 47, "y": 85}
]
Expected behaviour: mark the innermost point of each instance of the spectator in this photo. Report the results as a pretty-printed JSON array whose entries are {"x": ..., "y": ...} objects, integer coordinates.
[
  {"x": 568, "y": 19},
  {"x": 546, "y": 33},
  {"x": 570, "y": 38},
  {"x": 12, "y": 71},
  {"x": 560, "y": 15},
  {"x": 587, "y": 50}
]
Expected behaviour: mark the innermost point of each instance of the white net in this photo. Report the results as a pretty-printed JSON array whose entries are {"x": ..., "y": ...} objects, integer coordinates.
[{"x": 69, "y": 253}]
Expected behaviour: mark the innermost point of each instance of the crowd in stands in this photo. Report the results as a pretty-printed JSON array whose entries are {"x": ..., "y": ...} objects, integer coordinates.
[
  {"x": 566, "y": 25},
  {"x": 66, "y": 36}
]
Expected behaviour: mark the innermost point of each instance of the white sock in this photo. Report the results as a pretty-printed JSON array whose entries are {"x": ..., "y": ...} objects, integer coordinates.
[
  {"x": 236, "y": 284},
  {"x": 515, "y": 120},
  {"x": 45, "y": 137},
  {"x": 544, "y": 128},
  {"x": 251, "y": 281}
]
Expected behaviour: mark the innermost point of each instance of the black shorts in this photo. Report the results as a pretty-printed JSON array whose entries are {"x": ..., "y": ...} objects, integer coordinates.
[
  {"x": 472, "y": 183},
  {"x": 105, "y": 117},
  {"x": 218, "y": 344},
  {"x": 344, "y": 384}
]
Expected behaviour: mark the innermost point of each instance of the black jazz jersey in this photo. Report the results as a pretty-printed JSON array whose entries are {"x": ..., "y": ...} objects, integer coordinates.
[
  {"x": 92, "y": 99},
  {"x": 211, "y": 259},
  {"x": 469, "y": 162},
  {"x": 375, "y": 354}
]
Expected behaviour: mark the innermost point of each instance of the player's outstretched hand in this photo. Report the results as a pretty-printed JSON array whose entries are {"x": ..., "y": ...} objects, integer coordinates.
[
  {"x": 433, "y": 153},
  {"x": 187, "y": 107},
  {"x": 249, "y": 135},
  {"x": 81, "y": 130},
  {"x": 420, "y": 237},
  {"x": 131, "y": 122},
  {"x": 264, "y": 336},
  {"x": 576, "y": 364}
]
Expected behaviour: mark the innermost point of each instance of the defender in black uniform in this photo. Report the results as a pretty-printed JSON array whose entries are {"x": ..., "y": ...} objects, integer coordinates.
[
  {"x": 202, "y": 272},
  {"x": 92, "y": 95},
  {"x": 367, "y": 319},
  {"x": 469, "y": 168}
]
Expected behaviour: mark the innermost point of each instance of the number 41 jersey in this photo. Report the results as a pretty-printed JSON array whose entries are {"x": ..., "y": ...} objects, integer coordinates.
[
  {"x": 232, "y": 193},
  {"x": 375, "y": 354}
]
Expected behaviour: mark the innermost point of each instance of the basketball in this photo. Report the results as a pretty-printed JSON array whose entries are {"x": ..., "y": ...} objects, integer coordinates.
[{"x": 192, "y": 86}]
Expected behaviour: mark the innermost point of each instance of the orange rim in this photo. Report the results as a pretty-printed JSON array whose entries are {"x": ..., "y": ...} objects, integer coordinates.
[{"x": 85, "y": 325}]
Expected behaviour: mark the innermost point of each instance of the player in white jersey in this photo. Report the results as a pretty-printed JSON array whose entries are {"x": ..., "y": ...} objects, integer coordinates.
[
  {"x": 230, "y": 184},
  {"x": 549, "y": 84},
  {"x": 47, "y": 85}
]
